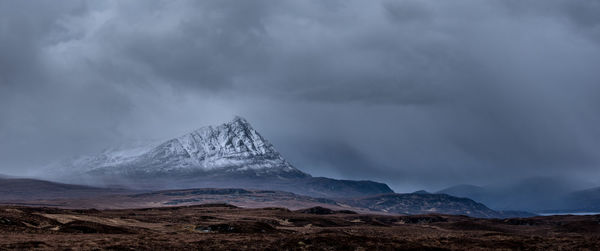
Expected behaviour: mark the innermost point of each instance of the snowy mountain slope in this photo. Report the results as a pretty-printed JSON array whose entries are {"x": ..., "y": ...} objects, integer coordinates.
[
  {"x": 232, "y": 147},
  {"x": 229, "y": 155}
]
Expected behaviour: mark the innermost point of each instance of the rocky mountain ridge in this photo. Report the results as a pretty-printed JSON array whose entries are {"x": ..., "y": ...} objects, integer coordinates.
[
  {"x": 230, "y": 155},
  {"x": 231, "y": 147}
]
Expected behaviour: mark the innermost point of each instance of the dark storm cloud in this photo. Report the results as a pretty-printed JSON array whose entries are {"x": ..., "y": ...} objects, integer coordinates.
[{"x": 414, "y": 93}]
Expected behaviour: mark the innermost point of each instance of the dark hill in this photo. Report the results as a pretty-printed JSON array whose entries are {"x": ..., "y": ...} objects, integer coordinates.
[
  {"x": 418, "y": 203},
  {"x": 32, "y": 189}
]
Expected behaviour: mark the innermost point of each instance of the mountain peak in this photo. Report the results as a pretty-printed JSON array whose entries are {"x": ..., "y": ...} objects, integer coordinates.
[
  {"x": 239, "y": 120},
  {"x": 238, "y": 125},
  {"x": 231, "y": 148},
  {"x": 232, "y": 154},
  {"x": 236, "y": 137}
]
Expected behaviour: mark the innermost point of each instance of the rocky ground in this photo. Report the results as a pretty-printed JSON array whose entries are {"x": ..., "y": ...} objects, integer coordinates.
[{"x": 221, "y": 226}]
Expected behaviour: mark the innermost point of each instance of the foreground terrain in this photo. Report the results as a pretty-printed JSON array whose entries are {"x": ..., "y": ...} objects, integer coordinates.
[{"x": 222, "y": 226}]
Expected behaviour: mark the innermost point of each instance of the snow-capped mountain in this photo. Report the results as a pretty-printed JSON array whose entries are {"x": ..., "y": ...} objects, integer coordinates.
[
  {"x": 229, "y": 155},
  {"x": 228, "y": 148}
]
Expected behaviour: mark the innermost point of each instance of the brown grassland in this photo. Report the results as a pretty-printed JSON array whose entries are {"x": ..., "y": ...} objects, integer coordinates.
[{"x": 225, "y": 227}]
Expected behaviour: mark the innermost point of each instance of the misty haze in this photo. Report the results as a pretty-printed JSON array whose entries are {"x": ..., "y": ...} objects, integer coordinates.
[{"x": 300, "y": 125}]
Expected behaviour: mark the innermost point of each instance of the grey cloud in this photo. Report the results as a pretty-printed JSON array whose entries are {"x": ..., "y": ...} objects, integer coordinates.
[
  {"x": 427, "y": 93},
  {"x": 404, "y": 11}
]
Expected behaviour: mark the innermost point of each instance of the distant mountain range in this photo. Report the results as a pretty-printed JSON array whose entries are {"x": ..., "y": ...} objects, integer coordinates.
[
  {"x": 235, "y": 155},
  {"x": 533, "y": 194},
  {"x": 32, "y": 192},
  {"x": 426, "y": 203},
  {"x": 229, "y": 155},
  {"x": 587, "y": 200}
]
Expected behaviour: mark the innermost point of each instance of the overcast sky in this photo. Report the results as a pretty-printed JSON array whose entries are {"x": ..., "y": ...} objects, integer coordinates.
[{"x": 414, "y": 93}]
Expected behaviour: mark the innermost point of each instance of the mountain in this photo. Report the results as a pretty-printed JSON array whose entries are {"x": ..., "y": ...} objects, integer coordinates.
[
  {"x": 587, "y": 200},
  {"x": 476, "y": 193},
  {"x": 543, "y": 196},
  {"x": 229, "y": 155},
  {"x": 421, "y": 192},
  {"x": 422, "y": 203},
  {"x": 230, "y": 148},
  {"x": 531, "y": 194},
  {"x": 31, "y": 192}
]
